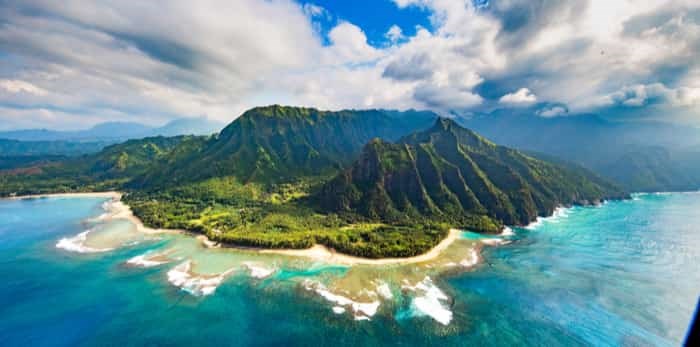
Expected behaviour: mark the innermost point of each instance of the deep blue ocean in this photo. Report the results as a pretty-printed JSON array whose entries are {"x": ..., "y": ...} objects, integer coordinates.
[{"x": 625, "y": 273}]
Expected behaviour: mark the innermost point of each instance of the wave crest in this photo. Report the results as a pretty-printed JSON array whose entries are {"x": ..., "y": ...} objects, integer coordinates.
[
  {"x": 431, "y": 302},
  {"x": 77, "y": 244},
  {"x": 197, "y": 285}
]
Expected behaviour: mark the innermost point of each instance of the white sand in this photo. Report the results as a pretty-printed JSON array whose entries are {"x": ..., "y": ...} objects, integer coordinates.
[{"x": 325, "y": 254}]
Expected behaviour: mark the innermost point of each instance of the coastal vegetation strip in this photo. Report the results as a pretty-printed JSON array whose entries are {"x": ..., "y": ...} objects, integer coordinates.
[{"x": 116, "y": 209}]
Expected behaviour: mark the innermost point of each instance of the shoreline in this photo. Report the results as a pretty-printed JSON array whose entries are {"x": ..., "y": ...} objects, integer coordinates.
[
  {"x": 116, "y": 209},
  {"x": 322, "y": 253},
  {"x": 119, "y": 210},
  {"x": 111, "y": 194}
]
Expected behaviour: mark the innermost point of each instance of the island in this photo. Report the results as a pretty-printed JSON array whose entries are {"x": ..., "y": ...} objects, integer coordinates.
[{"x": 369, "y": 183}]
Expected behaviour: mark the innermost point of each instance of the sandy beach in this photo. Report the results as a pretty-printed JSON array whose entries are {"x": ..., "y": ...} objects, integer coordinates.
[
  {"x": 323, "y": 253},
  {"x": 117, "y": 209}
]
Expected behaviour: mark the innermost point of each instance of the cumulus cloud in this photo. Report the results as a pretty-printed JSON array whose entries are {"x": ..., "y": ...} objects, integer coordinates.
[
  {"x": 394, "y": 34},
  {"x": 73, "y": 62},
  {"x": 648, "y": 94},
  {"x": 349, "y": 44},
  {"x": 552, "y": 111},
  {"x": 100, "y": 58},
  {"x": 522, "y": 96}
]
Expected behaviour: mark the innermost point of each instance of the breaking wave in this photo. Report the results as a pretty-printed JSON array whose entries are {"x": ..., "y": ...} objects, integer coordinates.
[
  {"x": 430, "y": 302},
  {"x": 361, "y": 310},
  {"x": 197, "y": 285},
  {"x": 77, "y": 244}
]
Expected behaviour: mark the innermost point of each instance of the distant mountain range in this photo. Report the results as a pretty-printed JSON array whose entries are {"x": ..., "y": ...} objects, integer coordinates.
[
  {"x": 640, "y": 156},
  {"x": 41, "y": 142},
  {"x": 118, "y": 131}
]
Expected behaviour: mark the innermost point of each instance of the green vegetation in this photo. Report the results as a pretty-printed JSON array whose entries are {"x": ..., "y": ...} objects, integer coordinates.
[
  {"x": 276, "y": 216},
  {"x": 279, "y": 144},
  {"x": 110, "y": 169},
  {"x": 452, "y": 175},
  {"x": 284, "y": 177}
]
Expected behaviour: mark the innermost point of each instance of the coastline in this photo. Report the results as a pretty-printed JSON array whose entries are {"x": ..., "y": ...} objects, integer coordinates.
[
  {"x": 117, "y": 209},
  {"x": 111, "y": 194},
  {"x": 322, "y": 253}
]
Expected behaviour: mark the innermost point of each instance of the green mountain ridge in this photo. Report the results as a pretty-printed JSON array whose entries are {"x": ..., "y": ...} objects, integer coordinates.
[
  {"x": 276, "y": 144},
  {"x": 640, "y": 156},
  {"x": 451, "y": 174},
  {"x": 111, "y": 168}
]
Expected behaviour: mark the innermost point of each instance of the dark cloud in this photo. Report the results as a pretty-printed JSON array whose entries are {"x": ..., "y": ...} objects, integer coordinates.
[
  {"x": 522, "y": 20},
  {"x": 416, "y": 67},
  {"x": 164, "y": 50}
]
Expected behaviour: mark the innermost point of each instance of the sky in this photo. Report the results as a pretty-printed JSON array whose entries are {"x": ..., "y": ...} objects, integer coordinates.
[{"x": 71, "y": 64}]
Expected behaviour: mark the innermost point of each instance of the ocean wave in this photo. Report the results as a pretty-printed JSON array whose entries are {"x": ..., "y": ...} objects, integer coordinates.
[
  {"x": 108, "y": 208},
  {"x": 507, "y": 231},
  {"x": 77, "y": 244},
  {"x": 146, "y": 260},
  {"x": 361, "y": 310},
  {"x": 258, "y": 271},
  {"x": 558, "y": 214},
  {"x": 384, "y": 290},
  {"x": 197, "y": 285},
  {"x": 430, "y": 302},
  {"x": 472, "y": 260},
  {"x": 496, "y": 241}
]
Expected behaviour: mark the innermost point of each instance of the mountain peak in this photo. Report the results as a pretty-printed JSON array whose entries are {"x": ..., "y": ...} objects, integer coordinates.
[
  {"x": 451, "y": 174},
  {"x": 447, "y": 129},
  {"x": 279, "y": 142},
  {"x": 446, "y": 124},
  {"x": 281, "y": 111}
]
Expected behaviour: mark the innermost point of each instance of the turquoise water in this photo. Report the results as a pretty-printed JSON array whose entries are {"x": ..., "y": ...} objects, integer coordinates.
[{"x": 621, "y": 274}]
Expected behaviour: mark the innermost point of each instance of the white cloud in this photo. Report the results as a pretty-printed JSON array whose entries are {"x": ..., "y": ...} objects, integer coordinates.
[
  {"x": 17, "y": 86},
  {"x": 522, "y": 96},
  {"x": 313, "y": 10},
  {"x": 97, "y": 60},
  {"x": 349, "y": 44},
  {"x": 207, "y": 60},
  {"x": 554, "y": 111},
  {"x": 394, "y": 34},
  {"x": 640, "y": 95}
]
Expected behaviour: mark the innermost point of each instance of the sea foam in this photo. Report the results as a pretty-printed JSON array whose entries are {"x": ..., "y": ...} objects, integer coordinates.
[
  {"x": 558, "y": 214},
  {"x": 361, "y": 310},
  {"x": 472, "y": 260},
  {"x": 507, "y": 231},
  {"x": 384, "y": 290},
  {"x": 258, "y": 271},
  {"x": 496, "y": 241},
  {"x": 430, "y": 302},
  {"x": 77, "y": 244},
  {"x": 197, "y": 285},
  {"x": 145, "y": 260}
]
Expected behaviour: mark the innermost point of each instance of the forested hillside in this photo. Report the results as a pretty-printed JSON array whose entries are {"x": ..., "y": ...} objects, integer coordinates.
[{"x": 451, "y": 174}]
